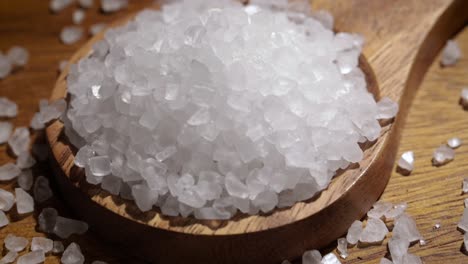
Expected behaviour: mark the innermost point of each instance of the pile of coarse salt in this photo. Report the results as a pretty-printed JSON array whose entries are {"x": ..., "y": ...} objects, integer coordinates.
[{"x": 213, "y": 107}]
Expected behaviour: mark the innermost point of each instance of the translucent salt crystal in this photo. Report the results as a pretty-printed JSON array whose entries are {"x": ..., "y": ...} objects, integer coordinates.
[
  {"x": 83, "y": 155},
  {"x": 235, "y": 187},
  {"x": 100, "y": 166},
  {"x": 42, "y": 191},
  {"x": 42, "y": 243},
  {"x": 354, "y": 232},
  {"x": 7, "y": 107},
  {"x": 47, "y": 220},
  {"x": 144, "y": 198},
  {"x": 7, "y": 200},
  {"x": 5, "y": 70},
  {"x": 58, "y": 247},
  {"x": 330, "y": 258},
  {"x": 52, "y": 111},
  {"x": 3, "y": 219},
  {"x": 411, "y": 259},
  {"x": 405, "y": 228},
  {"x": 86, "y": 3},
  {"x": 14, "y": 243},
  {"x": 398, "y": 247},
  {"x": 406, "y": 162},
  {"x": 379, "y": 209},
  {"x": 25, "y": 161},
  {"x": 397, "y": 210},
  {"x": 9, "y": 171},
  {"x": 166, "y": 153},
  {"x": 78, "y": 16},
  {"x": 111, "y": 184},
  {"x": 454, "y": 142},
  {"x": 5, "y": 131},
  {"x": 385, "y": 261},
  {"x": 312, "y": 257},
  {"x": 342, "y": 248},
  {"x": 58, "y": 5},
  {"x": 265, "y": 201},
  {"x": 72, "y": 255},
  {"x": 65, "y": 227},
  {"x": 9, "y": 257},
  {"x": 36, "y": 122},
  {"x": 33, "y": 257},
  {"x": 465, "y": 242},
  {"x": 374, "y": 232},
  {"x": 25, "y": 180},
  {"x": 109, "y": 6},
  {"x": 18, "y": 56},
  {"x": 436, "y": 226},
  {"x": 463, "y": 224},
  {"x": 442, "y": 155},
  {"x": 325, "y": 18},
  {"x": 19, "y": 140},
  {"x": 71, "y": 34},
  {"x": 450, "y": 54},
  {"x": 464, "y": 97},
  {"x": 422, "y": 242},
  {"x": 200, "y": 117},
  {"x": 24, "y": 201},
  {"x": 386, "y": 108},
  {"x": 97, "y": 28}
]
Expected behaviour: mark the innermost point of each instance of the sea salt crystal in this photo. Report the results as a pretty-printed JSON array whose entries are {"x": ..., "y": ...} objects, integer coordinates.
[
  {"x": 54, "y": 110},
  {"x": 405, "y": 228},
  {"x": 9, "y": 257},
  {"x": 465, "y": 242},
  {"x": 463, "y": 224},
  {"x": 97, "y": 28},
  {"x": 72, "y": 255},
  {"x": 397, "y": 210},
  {"x": 100, "y": 166},
  {"x": 24, "y": 201},
  {"x": 47, "y": 220},
  {"x": 442, "y": 155},
  {"x": 33, "y": 257},
  {"x": 342, "y": 248},
  {"x": 18, "y": 56},
  {"x": 422, "y": 242},
  {"x": 454, "y": 142},
  {"x": 42, "y": 191},
  {"x": 78, "y": 16},
  {"x": 25, "y": 180},
  {"x": 8, "y": 108},
  {"x": 5, "y": 70},
  {"x": 312, "y": 257},
  {"x": 5, "y": 131},
  {"x": 3, "y": 219},
  {"x": 354, "y": 232},
  {"x": 109, "y": 6},
  {"x": 330, "y": 258},
  {"x": 65, "y": 227},
  {"x": 464, "y": 98},
  {"x": 144, "y": 198},
  {"x": 406, "y": 162},
  {"x": 411, "y": 259},
  {"x": 436, "y": 226},
  {"x": 71, "y": 34},
  {"x": 42, "y": 243},
  {"x": 9, "y": 171},
  {"x": 398, "y": 247},
  {"x": 451, "y": 53},
  {"x": 386, "y": 108},
  {"x": 374, "y": 232},
  {"x": 385, "y": 261},
  {"x": 58, "y": 247},
  {"x": 7, "y": 200},
  {"x": 25, "y": 161},
  {"x": 15, "y": 243},
  {"x": 379, "y": 209},
  {"x": 19, "y": 141},
  {"x": 58, "y": 5}
]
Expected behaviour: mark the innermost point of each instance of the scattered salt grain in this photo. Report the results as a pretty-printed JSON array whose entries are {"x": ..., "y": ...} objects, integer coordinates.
[
  {"x": 24, "y": 201},
  {"x": 42, "y": 191},
  {"x": 379, "y": 209},
  {"x": 405, "y": 228},
  {"x": 3, "y": 219},
  {"x": 436, "y": 226},
  {"x": 58, "y": 5},
  {"x": 442, "y": 155},
  {"x": 97, "y": 28},
  {"x": 463, "y": 224},
  {"x": 312, "y": 257},
  {"x": 33, "y": 257},
  {"x": 374, "y": 232},
  {"x": 5, "y": 69},
  {"x": 354, "y": 232},
  {"x": 72, "y": 255},
  {"x": 19, "y": 141},
  {"x": 450, "y": 54},
  {"x": 86, "y": 3},
  {"x": 78, "y": 16},
  {"x": 65, "y": 227},
  {"x": 18, "y": 56},
  {"x": 342, "y": 248},
  {"x": 42, "y": 243},
  {"x": 454, "y": 142},
  {"x": 109, "y": 6},
  {"x": 7, "y": 107},
  {"x": 14, "y": 243},
  {"x": 5, "y": 131},
  {"x": 71, "y": 34},
  {"x": 7, "y": 200},
  {"x": 406, "y": 162},
  {"x": 9, "y": 171},
  {"x": 36, "y": 122},
  {"x": 25, "y": 161},
  {"x": 330, "y": 258},
  {"x": 10, "y": 257},
  {"x": 47, "y": 220},
  {"x": 58, "y": 247}
]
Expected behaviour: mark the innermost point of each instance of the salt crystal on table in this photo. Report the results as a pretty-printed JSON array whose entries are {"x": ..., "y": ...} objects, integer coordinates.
[
  {"x": 8, "y": 108},
  {"x": 330, "y": 258},
  {"x": 36, "y": 122},
  {"x": 374, "y": 232},
  {"x": 3, "y": 219},
  {"x": 379, "y": 209},
  {"x": 442, "y": 155},
  {"x": 42, "y": 191},
  {"x": 97, "y": 28},
  {"x": 52, "y": 111},
  {"x": 405, "y": 228},
  {"x": 5, "y": 131},
  {"x": 464, "y": 98},
  {"x": 78, "y": 16},
  {"x": 411, "y": 259},
  {"x": 14, "y": 243},
  {"x": 47, "y": 220},
  {"x": 58, "y": 5},
  {"x": 86, "y": 3},
  {"x": 436, "y": 226},
  {"x": 463, "y": 224},
  {"x": 342, "y": 248},
  {"x": 354, "y": 232},
  {"x": 65, "y": 227},
  {"x": 19, "y": 140},
  {"x": 71, "y": 34},
  {"x": 325, "y": 18},
  {"x": 465, "y": 241},
  {"x": 18, "y": 56},
  {"x": 398, "y": 247},
  {"x": 312, "y": 257},
  {"x": 42, "y": 243},
  {"x": 144, "y": 198},
  {"x": 109, "y": 6},
  {"x": 7, "y": 200},
  {"x": 58, "y": 247},
  {"x": 385, "y": 261},
  {"x": 5, "y": 70},
  {"x": 25, "y": 161},
  {"x": 33, "y": 257},
  {"x": 24, "y": 201},
  {"x": 454, "y": 142},
  {"x": 396, "y": 211},
  {"x": 406, "y": 162},
  {"x": 72, "y": 255},
  {"x": 10, "y": 257},
  {"x": 450, "y": 54},
  {"x": 9, "y": 171}
]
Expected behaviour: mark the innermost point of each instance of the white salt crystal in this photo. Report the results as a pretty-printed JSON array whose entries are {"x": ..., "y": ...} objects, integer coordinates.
[
  {"x": 97, "y": 28},
  {"x": 385, "y": 261},
  {"x": 406, "y": 162},
  {"x": 25, "y": 180},
  {"x": 451, "y": 53},
  {"x": 411, "y": 259},
  {"x": 396, "y": 211},
  {"x": 5, "y": 70},
  {"x": 52, "y": 111},
  {"x": 109, "y": 6},
  {"x": 7, "y": 107},
  {"x": 398, "y": 247},
  {"x": 454, "y": 142},
  {"x": 42, "y": 191},
  {"x": 312, "y": 257},
  {"x": 436, "y": 226},
  {"x": 144, "y": 198},
  {"x": 386, "y": 108},
  {"x": 47, "y": 220},
  {"x": 9, "y": 171},
  {"x": 33, "y": 257},
  {"x": 342, "y": 248},
  {"x": 24, "y": 201},
  {"x": 354, "y": 232},
  {"x": 18, "y": 56},
  {"x": 374, "y": 232},
  {"x": 442, "y": 155},
  {"x": 330, "y": 258},
  {"x": 78, "y": 16},
  {"x": 14, "y": 243},
  {"x": 58, "y": 247},
  {"x": 465, "y": 242},
  {"x": 379, "y": 209},
  {"x": 25, "y": 161},
  {"x": 7, "y": 200},
  {"x": 463, "y": 224},
  {"x": 5, "y": 131},
  {"x": 19, "y": 141},
  {"x": 166, "y": 153},
  {"x": 3, "y": 219},
  {"x": 72, "y": 255},
  {"x": 100, "y": 166},
  {"x": 71, "y": 34},
  {"x": 58, "y": 5},
  {"x": 9, "y": 257},
  {"x": 86, "y": 3},
  {"x": 42, "y": 243},
  {"x": 325, "y": 18},
  {"x": 405, "y": 228},
  {"x": 65, "y": 227}
]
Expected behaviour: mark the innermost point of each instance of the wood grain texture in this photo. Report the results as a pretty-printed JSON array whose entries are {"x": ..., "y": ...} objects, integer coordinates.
[{"x": 422, "y": 189}]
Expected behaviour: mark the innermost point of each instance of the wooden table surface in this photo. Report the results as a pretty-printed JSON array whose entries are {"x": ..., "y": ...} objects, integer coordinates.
[{"x": 433, "y": 194}]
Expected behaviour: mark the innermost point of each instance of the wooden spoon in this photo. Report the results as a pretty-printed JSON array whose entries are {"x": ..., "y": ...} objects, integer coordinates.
[{"x": 403, "y": 37}]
